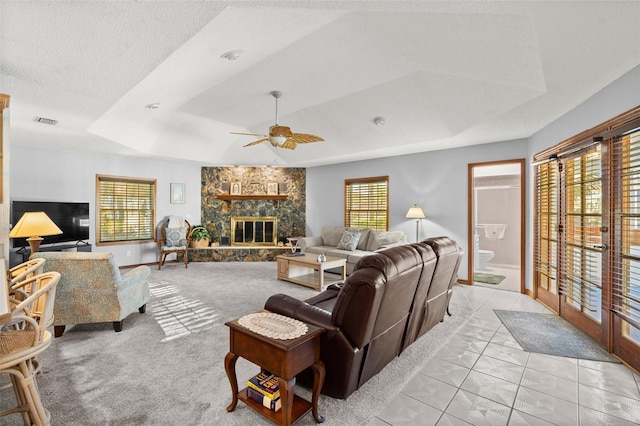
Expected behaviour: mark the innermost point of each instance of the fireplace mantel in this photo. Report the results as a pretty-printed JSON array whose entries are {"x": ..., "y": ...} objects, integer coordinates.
[{"x": 231, "y": 198}]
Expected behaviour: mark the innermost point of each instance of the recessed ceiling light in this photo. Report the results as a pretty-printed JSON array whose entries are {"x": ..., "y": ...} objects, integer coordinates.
[
  {"x": 232, "y": 55},
  {"x": 379, "y": 121},
  {"x": 153, "y": 106}
]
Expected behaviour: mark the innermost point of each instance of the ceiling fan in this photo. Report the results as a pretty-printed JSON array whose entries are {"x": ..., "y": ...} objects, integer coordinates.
[{"x": 282, "y": 136}]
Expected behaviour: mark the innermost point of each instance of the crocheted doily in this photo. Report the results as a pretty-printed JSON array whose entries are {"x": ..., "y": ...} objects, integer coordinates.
[{"x": 273, "y": 325}]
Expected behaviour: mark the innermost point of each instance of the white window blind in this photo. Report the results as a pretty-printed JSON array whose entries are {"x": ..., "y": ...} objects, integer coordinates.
[{"x": 126, "y": 209}]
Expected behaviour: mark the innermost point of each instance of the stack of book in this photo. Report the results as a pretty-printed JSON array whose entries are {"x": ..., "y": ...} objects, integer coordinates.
[{"x": 263, "y": 388}]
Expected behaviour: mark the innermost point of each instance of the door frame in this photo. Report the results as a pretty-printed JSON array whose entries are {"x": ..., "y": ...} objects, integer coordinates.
[{"x": 470, "y": 217}]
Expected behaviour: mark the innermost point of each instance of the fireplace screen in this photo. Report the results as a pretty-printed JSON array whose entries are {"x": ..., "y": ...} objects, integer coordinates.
[{"x": 254, "y": 231}]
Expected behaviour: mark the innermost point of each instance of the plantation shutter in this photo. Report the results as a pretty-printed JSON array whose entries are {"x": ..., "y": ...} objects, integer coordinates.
[
  {"x": 126, "y": 209},
  {"x": 625, "y": 286},
  {"x": 367, "y": 203}
]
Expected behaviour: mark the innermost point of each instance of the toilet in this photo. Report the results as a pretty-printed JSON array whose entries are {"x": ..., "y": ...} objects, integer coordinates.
[
  {"x": 481, "y": 256},
  {"x": 484, "y": 256}
]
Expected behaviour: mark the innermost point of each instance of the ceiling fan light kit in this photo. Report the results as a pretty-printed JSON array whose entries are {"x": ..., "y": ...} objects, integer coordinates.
[{"x": 281, "y": 136}]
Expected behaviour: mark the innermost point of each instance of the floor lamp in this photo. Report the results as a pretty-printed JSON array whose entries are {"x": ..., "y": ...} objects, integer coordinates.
[
  {"x": 415, "y": 212},
  {"x": 34, "y": 225}
]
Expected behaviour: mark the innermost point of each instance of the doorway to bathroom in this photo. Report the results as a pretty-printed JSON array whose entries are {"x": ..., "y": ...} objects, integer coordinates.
[{"x": 496, "y": 224}]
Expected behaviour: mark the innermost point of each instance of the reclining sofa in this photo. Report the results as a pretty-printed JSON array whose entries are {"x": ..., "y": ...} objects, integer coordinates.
[{"x": 392, "y": 298}]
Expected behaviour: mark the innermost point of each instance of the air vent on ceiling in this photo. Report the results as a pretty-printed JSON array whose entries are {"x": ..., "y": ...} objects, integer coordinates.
[{"x": 49, "y": 121}]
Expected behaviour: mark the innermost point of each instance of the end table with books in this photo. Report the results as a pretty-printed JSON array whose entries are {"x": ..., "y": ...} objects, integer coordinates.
[{"x": 284, "y": 357}]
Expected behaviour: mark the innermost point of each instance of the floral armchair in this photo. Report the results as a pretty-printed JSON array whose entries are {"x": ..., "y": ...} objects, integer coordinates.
[{"x": 92, "y": 290}]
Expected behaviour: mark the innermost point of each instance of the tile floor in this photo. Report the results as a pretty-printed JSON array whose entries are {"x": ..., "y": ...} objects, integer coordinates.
[{"x": 481, "y": 376}]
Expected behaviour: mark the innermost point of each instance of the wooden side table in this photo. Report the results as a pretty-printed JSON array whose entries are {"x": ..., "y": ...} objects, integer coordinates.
[{"x": 285, "y": 359}]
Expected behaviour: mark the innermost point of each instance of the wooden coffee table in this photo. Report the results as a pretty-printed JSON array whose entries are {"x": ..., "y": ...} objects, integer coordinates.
[
  {"x": 306, "y": 270},
  {"x": 285, "y": 359}
]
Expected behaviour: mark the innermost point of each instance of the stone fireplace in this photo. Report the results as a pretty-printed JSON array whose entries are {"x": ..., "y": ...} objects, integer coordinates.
[{"x": 254, "y": 231}]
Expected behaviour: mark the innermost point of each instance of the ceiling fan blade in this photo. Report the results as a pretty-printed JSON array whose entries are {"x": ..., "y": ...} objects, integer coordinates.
[
  {"x": 248, "y": 134},
  {"x": 289, "y": 144},
  {"x": 257, "y": 142},
  {"x": 305, "y": 138}
]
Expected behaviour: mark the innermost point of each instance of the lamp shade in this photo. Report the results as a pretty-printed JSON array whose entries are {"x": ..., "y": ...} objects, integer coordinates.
[
  {"x": 415, "y": 212},
  {"x": 34, "y": 224}
]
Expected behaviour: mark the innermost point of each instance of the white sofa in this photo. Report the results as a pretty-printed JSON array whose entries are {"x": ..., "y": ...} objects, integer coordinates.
[{"x": 328, "y": 243}]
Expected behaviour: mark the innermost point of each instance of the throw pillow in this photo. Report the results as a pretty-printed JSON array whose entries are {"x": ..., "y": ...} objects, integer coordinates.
[
  {"x": 331, "y": 235},
  {"x": 176, "y": 237},
  {"x": 349, "y": 240}
]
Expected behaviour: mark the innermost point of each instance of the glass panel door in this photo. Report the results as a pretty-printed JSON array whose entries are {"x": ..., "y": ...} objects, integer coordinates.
[
  {"x": 625, "y": 282},
  {"x": 581, "y": 282},
  {"x": 546, "y": 261}
]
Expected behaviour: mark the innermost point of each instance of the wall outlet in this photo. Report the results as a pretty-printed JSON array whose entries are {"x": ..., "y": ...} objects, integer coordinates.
[{"x": 129, "y": 253}]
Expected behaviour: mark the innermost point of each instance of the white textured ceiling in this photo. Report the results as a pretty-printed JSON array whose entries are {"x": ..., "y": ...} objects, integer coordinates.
[{"x": 442, "y": 73}]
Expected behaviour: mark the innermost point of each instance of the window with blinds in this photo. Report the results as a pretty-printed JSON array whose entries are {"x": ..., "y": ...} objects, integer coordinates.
[
  {"x": 125, "y": 208},
  {"x": 546, "y": 262},
  {"x": 367, "y": 203},
  {"x": 625, "y": 285}
]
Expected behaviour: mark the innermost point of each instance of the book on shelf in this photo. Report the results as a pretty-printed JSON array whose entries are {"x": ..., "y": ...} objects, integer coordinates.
[
  {"x": 272, "y": 404},
  {"x": 266, "y": 383}
]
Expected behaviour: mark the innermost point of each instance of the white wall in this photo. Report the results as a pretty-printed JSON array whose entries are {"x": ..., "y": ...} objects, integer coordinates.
[
  {"x": 41, "y": 175},
  {"x": 435, "y": 180}
]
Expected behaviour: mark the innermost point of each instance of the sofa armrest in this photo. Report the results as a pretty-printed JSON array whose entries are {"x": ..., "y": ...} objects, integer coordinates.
[
  {"x": 135, "y": 276},
  {"x": 294, "y": 308},
  {"x": 312, "y": 241}
]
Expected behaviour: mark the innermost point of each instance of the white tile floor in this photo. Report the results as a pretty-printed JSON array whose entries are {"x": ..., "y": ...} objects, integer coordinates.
[{"x": 481, "y": 376}]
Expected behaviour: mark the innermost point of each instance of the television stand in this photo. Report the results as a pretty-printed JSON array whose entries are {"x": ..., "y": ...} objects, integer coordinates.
[{"x": 79, "y": 246}]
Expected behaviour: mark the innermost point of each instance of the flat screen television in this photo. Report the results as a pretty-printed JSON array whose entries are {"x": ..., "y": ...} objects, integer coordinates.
[{"x": 71, "y": 218}]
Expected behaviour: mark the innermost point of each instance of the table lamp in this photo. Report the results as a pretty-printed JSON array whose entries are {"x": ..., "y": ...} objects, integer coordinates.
[
  {"x": 34, "y": 225},
  {"x": 415, "y": 212}
]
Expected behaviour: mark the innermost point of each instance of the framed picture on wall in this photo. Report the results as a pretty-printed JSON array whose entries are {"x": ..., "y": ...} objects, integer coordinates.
[
  {"x": 272, "y": 188},
  {"x": 177, "y": 193},
  {"x": 236, "y": 188}
]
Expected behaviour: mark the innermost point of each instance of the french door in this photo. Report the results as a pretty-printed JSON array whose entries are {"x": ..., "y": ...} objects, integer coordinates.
[
  {"x": 582, "y": 249},
  {"x": 625, "y": 240},
  {"x": 587, "y": 236}
]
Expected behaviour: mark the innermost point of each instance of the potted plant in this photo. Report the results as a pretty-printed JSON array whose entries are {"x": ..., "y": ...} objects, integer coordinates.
[{"x": 199, "y": 237}]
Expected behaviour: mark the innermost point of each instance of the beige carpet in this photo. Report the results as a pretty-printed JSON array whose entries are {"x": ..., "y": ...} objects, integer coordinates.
[{"x": 166, "y": 366}]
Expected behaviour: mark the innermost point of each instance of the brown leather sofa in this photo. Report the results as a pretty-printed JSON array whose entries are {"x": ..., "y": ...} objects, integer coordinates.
[{"x": 380, "y": 309}]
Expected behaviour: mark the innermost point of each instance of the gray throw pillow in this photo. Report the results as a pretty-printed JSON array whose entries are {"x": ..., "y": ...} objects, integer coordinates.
[
  {"x": 349, "y": 240},
  {"x": 176, "y": 237}
]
